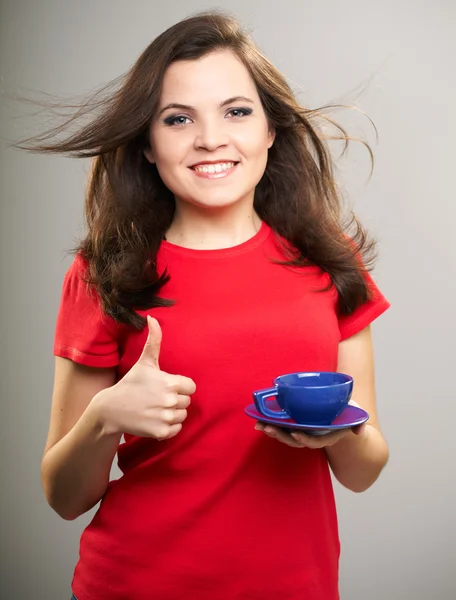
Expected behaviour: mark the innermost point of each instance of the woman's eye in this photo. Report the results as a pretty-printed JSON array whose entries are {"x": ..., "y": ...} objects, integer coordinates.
[
  {"x": 176, "y": 120},
  {"x": 179, "y": 120},
  {"x": 240, "y": 112}
]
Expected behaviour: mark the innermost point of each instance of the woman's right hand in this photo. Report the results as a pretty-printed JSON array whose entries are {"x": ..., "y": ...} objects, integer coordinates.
[{"x": 146, "y": 402}]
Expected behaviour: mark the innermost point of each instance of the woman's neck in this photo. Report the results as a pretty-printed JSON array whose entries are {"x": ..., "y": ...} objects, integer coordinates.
[{"x": 209, "y": 229}]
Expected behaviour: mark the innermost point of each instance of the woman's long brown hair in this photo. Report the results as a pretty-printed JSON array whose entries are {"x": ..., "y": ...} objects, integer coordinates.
[{"x": 128, "y": 208}]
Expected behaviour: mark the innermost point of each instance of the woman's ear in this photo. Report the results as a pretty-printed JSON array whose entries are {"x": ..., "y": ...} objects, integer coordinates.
[
  {"x": 271, "y": 137},
  {"x": 149, "y": 155}
]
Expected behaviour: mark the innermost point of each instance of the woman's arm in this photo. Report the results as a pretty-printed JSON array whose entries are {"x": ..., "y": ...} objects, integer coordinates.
[
  {"x": 89, "y": 413},
  {"x": 78, "y": 456},
  {"x": 358, "y": 459}
]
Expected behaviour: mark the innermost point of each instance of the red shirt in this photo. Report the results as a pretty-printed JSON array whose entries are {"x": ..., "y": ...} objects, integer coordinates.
[{"x": 221, "y": 511}]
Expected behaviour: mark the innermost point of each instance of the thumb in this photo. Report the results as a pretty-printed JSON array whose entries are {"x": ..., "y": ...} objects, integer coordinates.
[{"x": 151, "y": 351}]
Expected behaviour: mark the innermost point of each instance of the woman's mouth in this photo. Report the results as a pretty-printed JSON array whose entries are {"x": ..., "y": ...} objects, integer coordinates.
[{"x": 214, "y": 170}]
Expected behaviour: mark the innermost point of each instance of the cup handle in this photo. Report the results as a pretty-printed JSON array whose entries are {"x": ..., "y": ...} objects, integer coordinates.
[{"x": 260, "y": 398}]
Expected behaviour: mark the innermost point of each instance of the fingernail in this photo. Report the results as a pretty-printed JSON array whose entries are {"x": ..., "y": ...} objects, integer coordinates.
[{"x": 268, "y": 430}]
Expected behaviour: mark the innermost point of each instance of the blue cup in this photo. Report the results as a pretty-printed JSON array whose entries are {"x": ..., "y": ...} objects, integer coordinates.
[{"x": 307, "y": 398}]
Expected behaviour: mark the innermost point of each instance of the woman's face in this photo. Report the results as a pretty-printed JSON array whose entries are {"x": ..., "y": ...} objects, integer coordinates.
[{"x": 210, "y": 137}]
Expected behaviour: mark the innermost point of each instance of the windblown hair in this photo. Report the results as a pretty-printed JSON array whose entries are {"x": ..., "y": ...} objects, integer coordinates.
[{"x": 128, "y": 208}]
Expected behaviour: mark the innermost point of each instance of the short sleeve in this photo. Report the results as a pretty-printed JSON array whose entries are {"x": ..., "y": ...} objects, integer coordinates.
[
  {"x": 83, "y": 332},
  {"x": 364, "y": 314}
]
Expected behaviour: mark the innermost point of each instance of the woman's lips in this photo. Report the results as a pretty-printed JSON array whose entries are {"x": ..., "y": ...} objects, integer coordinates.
[{"x": 215, "y": 175}]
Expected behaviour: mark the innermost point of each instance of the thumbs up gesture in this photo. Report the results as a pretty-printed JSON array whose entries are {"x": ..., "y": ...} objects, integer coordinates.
[{"x": 147, "y": 402}]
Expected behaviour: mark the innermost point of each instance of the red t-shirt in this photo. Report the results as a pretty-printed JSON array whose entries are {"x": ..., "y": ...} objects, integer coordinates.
[{"x": 221, "y": 511}]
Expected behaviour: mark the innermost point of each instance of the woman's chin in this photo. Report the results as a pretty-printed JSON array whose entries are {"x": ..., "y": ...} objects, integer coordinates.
[{"x": 216, "y": 201}]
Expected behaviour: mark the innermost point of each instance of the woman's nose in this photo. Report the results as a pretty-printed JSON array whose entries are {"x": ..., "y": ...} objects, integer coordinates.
[{"x": 211, "y": 136}]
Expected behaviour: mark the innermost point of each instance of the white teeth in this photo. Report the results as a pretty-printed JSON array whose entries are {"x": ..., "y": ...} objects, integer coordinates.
[{"x": 218, "y": 168}]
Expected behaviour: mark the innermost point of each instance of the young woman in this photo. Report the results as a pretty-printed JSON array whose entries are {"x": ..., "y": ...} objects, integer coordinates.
[{"x": 216, "y": 259}]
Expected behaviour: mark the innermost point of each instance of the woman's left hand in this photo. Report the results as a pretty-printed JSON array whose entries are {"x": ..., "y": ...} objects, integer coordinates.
[{"x": 299, "y": 439}]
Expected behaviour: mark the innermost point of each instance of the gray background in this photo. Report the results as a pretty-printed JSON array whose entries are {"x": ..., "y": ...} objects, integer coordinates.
[{"x": 397, "y": 538}]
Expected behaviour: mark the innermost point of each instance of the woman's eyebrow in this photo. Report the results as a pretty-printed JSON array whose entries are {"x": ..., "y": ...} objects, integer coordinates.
[{"x": 191, "y": 108}]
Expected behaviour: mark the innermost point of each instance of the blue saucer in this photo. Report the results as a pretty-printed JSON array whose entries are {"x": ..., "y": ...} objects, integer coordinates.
[{"x": 350, "y": 417}]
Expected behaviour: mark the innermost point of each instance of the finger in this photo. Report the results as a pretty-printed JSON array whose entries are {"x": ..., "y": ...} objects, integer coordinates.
[
  {"x": 179, "y": 416},
  {"x": 282, "y": 436},
  {"x": 170, "y": 416},
  {"x": 173, "y": 400},
  {"x": 359, "y": 429},
  {"x": 320, "y": 441},
  {"x": 182, "y": 385},
  {"x": 173, "y": 430},
  {"x": 183, "y": 401},
  {"x": 151, "y": 351}
]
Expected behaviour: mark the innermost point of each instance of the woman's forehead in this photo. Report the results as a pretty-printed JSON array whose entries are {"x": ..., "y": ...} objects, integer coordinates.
[{"x": 210, "y": 79}]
